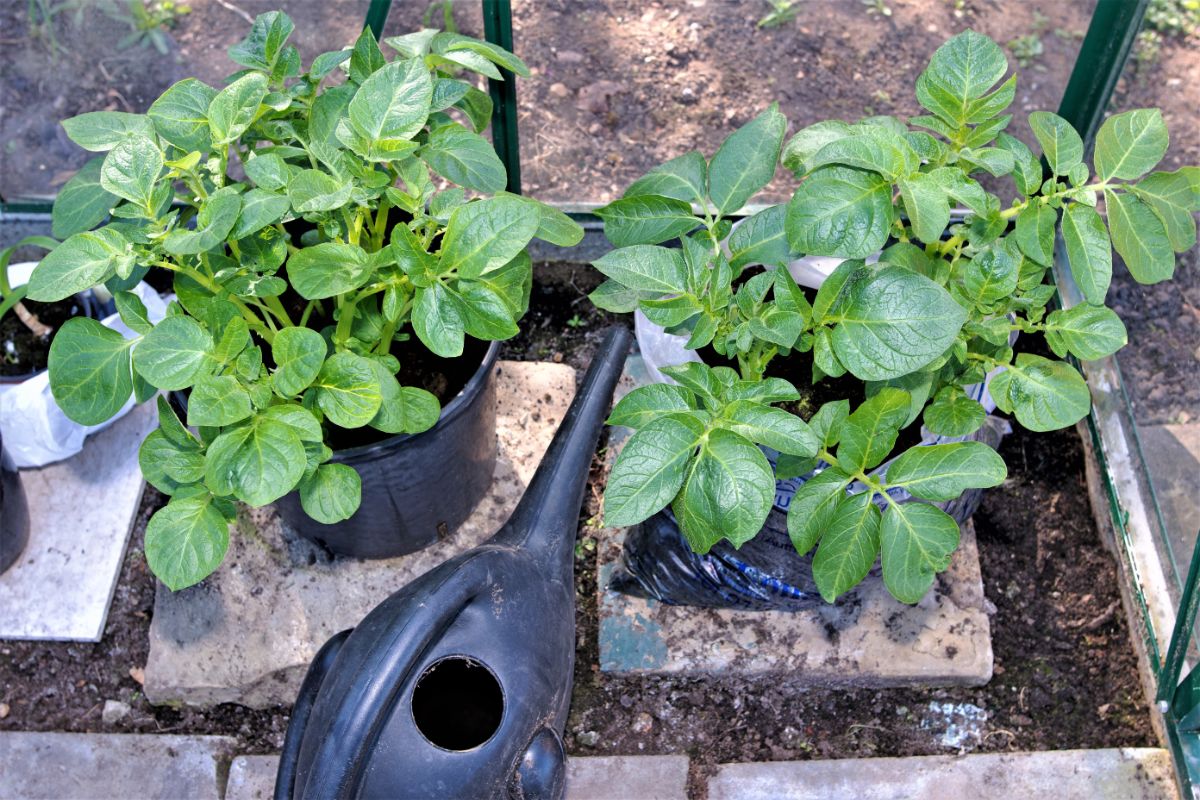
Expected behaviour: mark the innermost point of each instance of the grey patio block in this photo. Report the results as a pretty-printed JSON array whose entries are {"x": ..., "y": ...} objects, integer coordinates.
[
  {"x": 86, "y": 766},
  {"x": 1109, "y": 774},
  {"x": 81, "y": 512}
]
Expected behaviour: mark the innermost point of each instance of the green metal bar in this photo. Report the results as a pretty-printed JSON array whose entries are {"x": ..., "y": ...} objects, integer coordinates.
[
  {"x": 497, "y": 28},
  {"x": 1185, "y": 621},
  {"x": 1101, "y": 59},
  {"x": 377, "y": 14}
]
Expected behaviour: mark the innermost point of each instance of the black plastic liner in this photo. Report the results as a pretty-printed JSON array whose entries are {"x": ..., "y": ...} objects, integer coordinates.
[
  {"x": 416, "y": 489},
  {"x": 459, "y": 684},
  {"x": 766, "y": 574},
  {"x": 14, "y": 515}
]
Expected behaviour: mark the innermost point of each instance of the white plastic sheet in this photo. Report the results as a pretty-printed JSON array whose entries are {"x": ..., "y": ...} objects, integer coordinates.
[{"x": 35, "y": 430}]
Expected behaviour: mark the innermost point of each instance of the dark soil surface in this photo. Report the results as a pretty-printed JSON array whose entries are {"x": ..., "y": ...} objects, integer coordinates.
[
  {"x": 25, "y": 348},
  {"x": 1065, "y": 667}
]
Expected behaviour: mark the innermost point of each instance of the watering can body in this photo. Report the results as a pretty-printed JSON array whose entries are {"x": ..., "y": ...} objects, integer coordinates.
[{"x": 458, "y": 685}]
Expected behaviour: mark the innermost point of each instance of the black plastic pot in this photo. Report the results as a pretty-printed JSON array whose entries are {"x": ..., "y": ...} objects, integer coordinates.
[
  {"x": 457, "y": 686},
  {"x": 14, "y": 515},
  {"x": 416, "y": 489}
]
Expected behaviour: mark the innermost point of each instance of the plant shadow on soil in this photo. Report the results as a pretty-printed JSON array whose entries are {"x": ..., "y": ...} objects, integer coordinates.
[{"x": 1065, "y": 666}]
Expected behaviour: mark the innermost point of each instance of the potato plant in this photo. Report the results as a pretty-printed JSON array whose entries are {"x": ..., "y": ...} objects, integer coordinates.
[
  {"x": 307, "y": 225},
  {"x": 935, "y": 314}
]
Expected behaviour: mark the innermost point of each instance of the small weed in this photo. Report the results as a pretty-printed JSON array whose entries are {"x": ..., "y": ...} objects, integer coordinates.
[
  {"x": 781, "y": 11},
  {"x": 575, "y": 322},
  {"x": 1147, "y": 48},
  {"x": 1174, "y": 17},
  {"x": 877, "y": 7},
  {"x": 1026, "y": 49},
  {"x": 148, "y": 21},
  {"x": 447, "y": 10}
]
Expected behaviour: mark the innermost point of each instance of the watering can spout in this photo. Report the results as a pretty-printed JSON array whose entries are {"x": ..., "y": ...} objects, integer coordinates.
[
  {"x": 458, "y": 685},
  {"x": 544, "y": 522}
]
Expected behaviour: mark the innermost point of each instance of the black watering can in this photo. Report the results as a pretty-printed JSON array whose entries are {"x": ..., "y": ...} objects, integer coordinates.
[{"x": 458, "y": 685}]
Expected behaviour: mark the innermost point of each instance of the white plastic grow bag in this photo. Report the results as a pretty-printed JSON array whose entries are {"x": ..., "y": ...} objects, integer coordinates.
[{"x": 36, "y": 432}]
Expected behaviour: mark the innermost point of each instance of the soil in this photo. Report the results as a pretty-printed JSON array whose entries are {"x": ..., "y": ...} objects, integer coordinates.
[
  {"x": 1065, "y": 666},
  {"x": 23, "y": 351}
]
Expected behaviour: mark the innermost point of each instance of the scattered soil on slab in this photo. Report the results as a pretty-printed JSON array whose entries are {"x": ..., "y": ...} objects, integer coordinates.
[
  {"x": 24, "y": 351},
  {"x": 1065, "y": 668}
]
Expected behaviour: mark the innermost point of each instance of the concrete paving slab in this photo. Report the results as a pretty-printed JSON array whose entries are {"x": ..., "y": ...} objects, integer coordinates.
[
  {"x": 252, "y": 778},
  {"x": 869, "y": 639},
  {"x": 84, "y": 766},
  {"x": 1172, "y": 454},
  {"x": 1116, "y": 774},
  {"x": 81, "y": 512},
  {"x": 247, "y": 634},
  {"x": 593, "y": 778}
]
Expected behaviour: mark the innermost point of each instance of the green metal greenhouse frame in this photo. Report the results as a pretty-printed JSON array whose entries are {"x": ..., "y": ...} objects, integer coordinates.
[{"x": 1102, "y": 57}]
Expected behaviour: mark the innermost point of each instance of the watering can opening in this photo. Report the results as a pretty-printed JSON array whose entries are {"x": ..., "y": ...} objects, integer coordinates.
[{"x": 458, "y": 703}]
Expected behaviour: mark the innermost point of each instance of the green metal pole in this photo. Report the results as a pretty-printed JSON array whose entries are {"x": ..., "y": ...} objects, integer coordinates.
[
  {"x": 1101, "y": 59},
  {"x": 377, "y": 14},
  {"x": 497, "y": 28}
]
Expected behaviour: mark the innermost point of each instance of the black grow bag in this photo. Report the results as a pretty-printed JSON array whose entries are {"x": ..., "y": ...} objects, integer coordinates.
[
  {"x": 14, "y": 516},
  {"x": 416, "y": 489}
]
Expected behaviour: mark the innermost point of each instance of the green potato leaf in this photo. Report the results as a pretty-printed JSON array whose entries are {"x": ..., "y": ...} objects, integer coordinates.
[
  {"x": 484, "y": 235},
  {"x": 770, "y": 426},
  {"x": 957, "y": 415},
  {"x": 840, "y": 211},
  {"x": 1046, "y": 395},
  {"x": 760, "y": 239},
  {"x": 682, "y": 178},
  {"x": 348, "y": 390},
  {"x": 1174, "y": 196},
  {"x": 868, "y": 435},
  {"x": 745, "y": 162},
  {"x": 813, "y": 505},
  {"x": 646, "y": 268},
  {"x": 727, "y": 492},
  {"x": 216, "y": 401},
  {"x": 186, "y": 540},
  {"x": 393, "y": 104},
  {"x": 848, "y": 546},
  {"x": 1086, "y": 331},
  {"x": 651, "y": 469},
  {"x": 213, "y": 223},
  {"x": 91, "y": 375},
  {"x": 1089, "y": 252},
  {"x": 312, "y": 190},
  {"x": 465, "y": 158},
  {"x": 235, "y": 108},
  {"x": 1140, "y": 236},
  {"x": 81, "y": 262},
  {"x": 645, "y": 404},
  {"x": 438, "y": 321},
  {"x": 894, "y": 322},
  {"x": 298, "y": 354},
  {"x": 131, "y": 170},
  {"x": 1129, "y": 144},
  {"x": 1060, "y": 142},
  {"x": 83, "y": 203},
  {"x": 180, "y": 115},
  {"x": 944, "y": 471},
  {"x": 646, "y": 219},
  {"x": 332, "y": 494},
  {"x": 917, "y": 542},
  {"x": 328, "y": 269},
  {"x": 174, "y": 354},
  {"x": 98, "y": 131},
  {"x": 257, "y": 463},
  {"x": 926, "y": 204}
]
